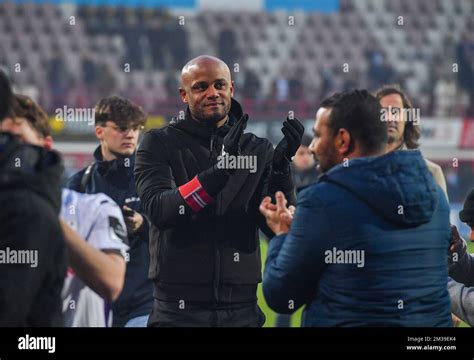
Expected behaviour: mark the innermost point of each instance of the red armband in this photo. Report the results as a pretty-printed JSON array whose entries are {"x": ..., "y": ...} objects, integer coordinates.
[{"x": 194, "y": 194}]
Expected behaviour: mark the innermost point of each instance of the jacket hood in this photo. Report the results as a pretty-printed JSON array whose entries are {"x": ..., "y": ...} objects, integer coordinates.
[
  {"x": 40, "y": 170},
  {"x": 205, "y": 131},
  {"x": 397, "y": 185}
]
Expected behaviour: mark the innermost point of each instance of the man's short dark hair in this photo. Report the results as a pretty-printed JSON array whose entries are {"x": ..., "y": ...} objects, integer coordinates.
[
  {"x": 5, "y": 95},
  {"x": 412, "y": 131},
  {"x": 119, "y": 110},
  {"x": 359, "y": 113}
]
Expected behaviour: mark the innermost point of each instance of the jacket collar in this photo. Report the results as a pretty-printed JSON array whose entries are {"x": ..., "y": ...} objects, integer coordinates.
[
  {"x": 118, "y": 164},
  {"x": 204, "y": 131}
]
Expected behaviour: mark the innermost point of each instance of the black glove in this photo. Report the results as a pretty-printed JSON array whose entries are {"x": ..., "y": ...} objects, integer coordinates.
[
  {"x": 293, "y": 134},
  {"x": 214, "y": 179},
  {"x": 231, "y": 143}
]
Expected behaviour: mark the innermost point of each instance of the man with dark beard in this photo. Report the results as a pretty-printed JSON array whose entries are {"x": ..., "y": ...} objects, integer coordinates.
[
  {"x": 367, "y": 243},
  {"x": 201, "y": 197}
]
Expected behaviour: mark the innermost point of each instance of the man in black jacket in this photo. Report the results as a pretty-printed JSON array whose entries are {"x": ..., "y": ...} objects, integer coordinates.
[{"x": 201, "y": 181}]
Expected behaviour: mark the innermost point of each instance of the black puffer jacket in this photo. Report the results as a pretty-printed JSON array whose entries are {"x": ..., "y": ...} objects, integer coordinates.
[
  {"x": 212, "y": 255},
  {"x": 30, "y": 201}
]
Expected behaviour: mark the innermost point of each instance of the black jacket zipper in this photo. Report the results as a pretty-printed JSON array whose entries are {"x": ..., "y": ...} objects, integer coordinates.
[{"x": 217, "y": 261}]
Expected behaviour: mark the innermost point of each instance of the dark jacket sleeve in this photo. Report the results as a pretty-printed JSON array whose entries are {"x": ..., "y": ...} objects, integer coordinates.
[
  {"x": 272, "y": 182},
  {"x": 161, "y": 200},
  {"x": 461, "y": 269},
  {"x": 295, "y": 261}
]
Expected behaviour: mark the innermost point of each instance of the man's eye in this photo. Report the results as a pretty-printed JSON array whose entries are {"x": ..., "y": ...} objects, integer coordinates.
[{"x": 220, "y": 85}]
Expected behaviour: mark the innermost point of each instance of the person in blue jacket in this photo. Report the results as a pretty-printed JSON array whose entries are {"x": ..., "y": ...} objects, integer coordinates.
[
  {"x": 367, "y": 245},
  {"x": 118, "y": 123}
]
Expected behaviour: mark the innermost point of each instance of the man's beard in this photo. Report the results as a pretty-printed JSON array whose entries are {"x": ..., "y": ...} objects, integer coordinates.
[
  {"x": 329, "y": 161},
  {"x": 391, "y": 139},
  {"x": 213, "y": 118}
]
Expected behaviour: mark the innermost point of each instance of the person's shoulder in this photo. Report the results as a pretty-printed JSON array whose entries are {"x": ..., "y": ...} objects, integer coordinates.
[
  {"x": 321, "y": 192},
  {"x": 433, "y": 167},
  {"x": 312, "y": 192},
  {"x": 74, "y": 181},
  {"x": 154, "y": 136}
]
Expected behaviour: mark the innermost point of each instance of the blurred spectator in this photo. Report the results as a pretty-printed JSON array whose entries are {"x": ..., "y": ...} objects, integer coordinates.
[
  {"x": 228, "y": 51},
  {"x": 296, "y": 85},
  {"x": 158, "y": 42},
  {"x": 327, "y": 82},
  {"x": 58, "y": 76},
  {"x": 171, "y": 85},
  {"x": 453, "y": 182},
  {"x": 89, "y": 71},
  {"x": 131, "y": 35},
  {"x": 252, "y": 86},
  {"x": 179, "y": 47},
  {"x": 280, "y": 87},
  {"x": 303, "y": 167},
  {"x": 444, "y": 96},
  {"x": 107, "y": 83},
  {"x": 380, "y": 72},
  {"x": 465, "y": 60}
]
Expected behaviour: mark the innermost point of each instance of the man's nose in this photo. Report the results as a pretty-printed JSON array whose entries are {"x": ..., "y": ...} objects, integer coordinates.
[
  {"x": 212, "y": 92},
  {"x": 129, "y": 134}
]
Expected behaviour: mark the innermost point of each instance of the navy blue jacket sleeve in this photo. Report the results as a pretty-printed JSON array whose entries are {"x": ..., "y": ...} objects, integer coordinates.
[{"x": 295, "y": 261}]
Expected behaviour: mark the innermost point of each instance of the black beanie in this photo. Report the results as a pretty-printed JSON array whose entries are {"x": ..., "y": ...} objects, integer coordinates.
[{"x": 467, "y": 213}]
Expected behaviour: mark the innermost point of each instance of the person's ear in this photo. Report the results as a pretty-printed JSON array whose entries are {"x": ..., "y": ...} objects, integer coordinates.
[
  {"x": 183, "y": 95},
  {"x": 48, "y": 142},
  {"x": 343, "y": 142},
  {"x": 99, "y": 132},
  {"x": 232, "y": 84}
]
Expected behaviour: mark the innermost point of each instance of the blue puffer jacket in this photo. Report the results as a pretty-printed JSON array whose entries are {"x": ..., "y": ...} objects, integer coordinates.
[{"x": 367, "y": 247}]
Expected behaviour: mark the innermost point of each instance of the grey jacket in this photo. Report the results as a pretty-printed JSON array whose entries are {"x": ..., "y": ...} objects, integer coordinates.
[{"x": 461, "y": 283}]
